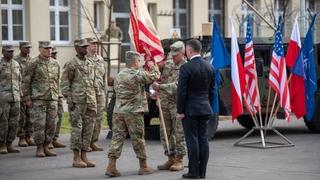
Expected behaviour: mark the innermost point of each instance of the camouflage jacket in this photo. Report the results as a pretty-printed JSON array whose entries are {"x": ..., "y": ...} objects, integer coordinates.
[
  {"x": 10, "y": 81},
  {"x": 78, "y": 84},
  {"x": 41, "y": 80},
  {"x": 130, "y": 92},
  {"x": 169, "y": 82},
  {"x": 101, "y": 74},
  {"x": 23, "y": 62}
]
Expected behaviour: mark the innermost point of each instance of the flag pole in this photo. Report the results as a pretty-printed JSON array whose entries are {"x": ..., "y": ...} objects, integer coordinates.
[{"x": 163, "y": 125}]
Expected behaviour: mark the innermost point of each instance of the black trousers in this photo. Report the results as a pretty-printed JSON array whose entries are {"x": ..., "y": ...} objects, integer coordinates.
[{"x": 195, "y": 130}]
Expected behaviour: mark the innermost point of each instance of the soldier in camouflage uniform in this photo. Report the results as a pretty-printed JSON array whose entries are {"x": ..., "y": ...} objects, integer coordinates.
[
  {"x": 25, "y": 125},
  {"x": 168, "y": 90},
  {"x": 115, "y": 32},
  {"x": 101, "y": 78},
  {"x": 10, "y": 92},
  {"x": 130, "y": 104},
  {"x": 41, "y": 90},
  {"x": 78, "y": 86}
]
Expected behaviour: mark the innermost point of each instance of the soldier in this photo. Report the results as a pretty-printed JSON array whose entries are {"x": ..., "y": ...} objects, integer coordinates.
[
  {"x": 168, "y": 91},
  {"x": 41, "y": 89},
  {"x": 115, "y": 31},
  {"x": 10, "y": 92},
  {"x": 25, "y": 125},
  {"x": 78, "y": 86},
  {"x": 55, "y": 143},
  {"x": 130, "y": 104},
  {"x": 101, "y": 78}
]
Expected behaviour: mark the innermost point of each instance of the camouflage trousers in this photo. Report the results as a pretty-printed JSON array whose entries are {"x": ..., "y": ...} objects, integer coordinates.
[
  {"x": 101, "y": 102},
  {"x": 44, "y": 118},
  {"x": 82, "y": 119},
  {"x": 60, "y": 114},
  {"x": 25, "y": 125},
  {"x": 9, "y": 117},
  {"x": 174, "y": 131},
  {"x": 124, "y": 123}
]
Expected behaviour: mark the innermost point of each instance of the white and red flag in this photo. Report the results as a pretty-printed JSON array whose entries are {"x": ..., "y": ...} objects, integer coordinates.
[
  {"x": 143, "y": 34},
  {"x": 237, "y": 76},
  {"x": 294, "y": 45}
]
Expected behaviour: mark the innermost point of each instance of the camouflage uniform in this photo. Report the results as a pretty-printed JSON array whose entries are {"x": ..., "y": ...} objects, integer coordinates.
[
  {"x": 130, "y": 104},
  {"x": 25, "y": 125},
  {"x": 41, "y": 85},
  {"x": 10, "y": 92},
  {"x": 168, "y": 90},
  {"x": 78, "y": 87}
]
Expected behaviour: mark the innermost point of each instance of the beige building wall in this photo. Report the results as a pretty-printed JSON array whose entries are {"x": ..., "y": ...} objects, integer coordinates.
[{"x": 198, "y": 14}]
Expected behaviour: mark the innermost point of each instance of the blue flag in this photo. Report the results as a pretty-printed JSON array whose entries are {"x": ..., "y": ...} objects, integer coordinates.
[
  {"x": 308, "y": 72},
  {"x": 220, "y": 58}
]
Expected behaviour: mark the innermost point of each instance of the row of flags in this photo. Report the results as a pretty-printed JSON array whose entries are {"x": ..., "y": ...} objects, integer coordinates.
[{"x": 299, "y": 98}]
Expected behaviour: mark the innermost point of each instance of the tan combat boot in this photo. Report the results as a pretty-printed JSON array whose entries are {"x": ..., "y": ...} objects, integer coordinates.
[
  {"x": 40, "y": 151},
  {"x": 22, "y": 142},
  {"x": 111, "y": 169},
  {"x": 47, "y": 151},
  {"x": 96, "y": 147},
  {"x": 178, "y": 164},
  {"x": 57, "y": 144},
  {"x": 144, "y": 168},
  {"x": 30, "y": 141},
  {"x": 86, "y": 160},
  {"x": 167, "y": 164},
  {"x": 11, "y": 149},
  {"x": 50, "y": 146},
  {"x": 3, "y": 149},
  {"x": 77, "y": 161}
]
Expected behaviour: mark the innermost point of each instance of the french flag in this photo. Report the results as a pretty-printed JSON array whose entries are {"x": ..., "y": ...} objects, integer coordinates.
[{"x": 237, "y": 76}]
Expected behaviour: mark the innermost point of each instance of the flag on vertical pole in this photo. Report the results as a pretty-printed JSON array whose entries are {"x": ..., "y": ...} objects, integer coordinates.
[{"x": 294, "y": 45}]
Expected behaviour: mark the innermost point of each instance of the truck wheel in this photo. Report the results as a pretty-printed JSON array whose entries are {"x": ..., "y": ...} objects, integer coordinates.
[
  {"x": 314, "y": 124},
  {"x": 247, "y": 122},
  {"x": 212, "y": 126},
  {"x": 110, "y": 108}
]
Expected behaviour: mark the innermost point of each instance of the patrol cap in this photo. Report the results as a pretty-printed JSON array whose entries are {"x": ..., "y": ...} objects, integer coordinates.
[
  {"x": 25, "y": 44},
  {"x": 176, "y": 47},
  {"x": 80, "y": 43},
  {"x": 7, "y": 48},
  {"x": 131, "y": 56},
  {"x": 54, "y": 50},
  {"x": 45, "y": 44},
  {"x": 92, "y": 40}
]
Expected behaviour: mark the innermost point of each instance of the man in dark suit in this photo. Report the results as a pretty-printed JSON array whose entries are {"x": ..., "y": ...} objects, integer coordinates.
[{"x": 195, "y": 94}]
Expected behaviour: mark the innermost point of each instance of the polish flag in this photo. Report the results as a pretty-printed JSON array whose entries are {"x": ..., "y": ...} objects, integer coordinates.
[
  {"x": 237, "y": 76},
  {"x": 294, "y": 45}
]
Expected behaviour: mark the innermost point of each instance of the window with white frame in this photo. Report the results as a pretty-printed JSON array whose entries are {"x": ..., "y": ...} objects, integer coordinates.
[
  {"x": 181, "y": 16},
  {"x": 96, "y": 15},
  {"x": 216, "y": 9},
  {"x": 12, "y": 20},
  {"x": 279, "y": 7},
  {"x": 60, "y": 21},
  {"x": 246, "y": 10}
]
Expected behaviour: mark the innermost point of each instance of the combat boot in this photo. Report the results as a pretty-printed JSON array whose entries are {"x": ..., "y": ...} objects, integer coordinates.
[
  {"x": 144, "y": 169},
  {"x": 47, "y": 151},
  {"x": 111, "y": 169},
  {"x": 30, "y": 141},
  {"x": 167, "y": 164},
  {"x": 178, "y": 164},
  {"x": 57, "y": 144},
  {"x": 86, "y": 160},
  {"x": 96, "y": 147},
  {"x": 11, "y": 149},
  {"x": 77, "y": 161},
  {"x": 3, "y": 149},
  {"x": 22, "y": 142},
  {"x": 50, "y": 146},
  {"x": 40, "y": 151}
]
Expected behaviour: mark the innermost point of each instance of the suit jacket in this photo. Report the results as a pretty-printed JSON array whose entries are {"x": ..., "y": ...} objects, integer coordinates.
[{"x": 195, "y": 88}]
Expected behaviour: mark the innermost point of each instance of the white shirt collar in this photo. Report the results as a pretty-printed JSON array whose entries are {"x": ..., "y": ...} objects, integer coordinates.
[{"x": 197, "y": 55}]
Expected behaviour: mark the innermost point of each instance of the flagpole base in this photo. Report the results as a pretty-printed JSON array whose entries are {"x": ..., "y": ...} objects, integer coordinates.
[{"x": 263, "y": 144}]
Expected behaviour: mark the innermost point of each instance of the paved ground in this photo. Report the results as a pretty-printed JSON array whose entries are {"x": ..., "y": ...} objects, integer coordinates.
[{"x": 226, "y": 161}]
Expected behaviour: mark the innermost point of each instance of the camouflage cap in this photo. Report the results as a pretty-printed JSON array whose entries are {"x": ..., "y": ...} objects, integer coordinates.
[
  {"x": 132, "y": 55},
  {"x": 176, "y": 47},
  {"x": 54, "y": 50},
  {"x": 80, "y": 42},
  {"x": 92, "y": 40},
  {"x": 7, "y": 48},
  {"x": 45, "y": 44},
  {"x": 25, "y": 44}
]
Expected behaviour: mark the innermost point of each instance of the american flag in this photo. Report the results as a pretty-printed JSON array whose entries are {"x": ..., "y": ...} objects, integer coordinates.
[
  {"x": 278, "y": 73},
  {"x": 251, "y": 93}
]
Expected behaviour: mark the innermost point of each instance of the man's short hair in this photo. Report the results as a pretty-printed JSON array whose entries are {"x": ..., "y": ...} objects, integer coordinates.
[{"x": 195, "y": 45}]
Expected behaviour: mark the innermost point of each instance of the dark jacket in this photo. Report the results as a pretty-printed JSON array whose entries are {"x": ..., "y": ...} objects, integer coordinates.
[{"x": 195, "y": 88}]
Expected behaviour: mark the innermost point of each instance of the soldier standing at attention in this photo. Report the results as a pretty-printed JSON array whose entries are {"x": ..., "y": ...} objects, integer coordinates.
[
  {"x": 41, "y": 90},
  {"x": 25, "y": 125},
  {"x": 78, "y": 86},
  {"x": 168, "y": 91},
  {"x": 10, "y": 92},
  {"x": 115, "y": 31},
  {"x": 101, "y": 79},
  {"x": 130, "y": 104}
]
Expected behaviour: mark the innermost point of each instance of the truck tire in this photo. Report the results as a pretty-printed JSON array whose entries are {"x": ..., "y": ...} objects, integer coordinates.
[
  {"x": 314, "y": 124},
  {"x": 110, "y": 108},
  {"x": 212, "y": 126}
]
